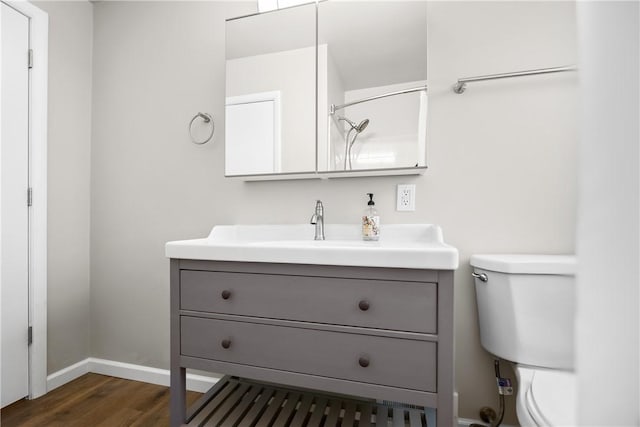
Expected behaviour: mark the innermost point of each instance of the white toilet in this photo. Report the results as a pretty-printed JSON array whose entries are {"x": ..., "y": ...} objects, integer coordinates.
[{"x": 526, "y": 307}]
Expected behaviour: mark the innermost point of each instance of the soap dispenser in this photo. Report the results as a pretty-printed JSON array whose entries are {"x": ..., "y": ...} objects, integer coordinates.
[{"x": 370, "y": 221}]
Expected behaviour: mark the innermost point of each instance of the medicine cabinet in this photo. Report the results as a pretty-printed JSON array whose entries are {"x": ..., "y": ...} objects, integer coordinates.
[{"x": 329, "y": 89}]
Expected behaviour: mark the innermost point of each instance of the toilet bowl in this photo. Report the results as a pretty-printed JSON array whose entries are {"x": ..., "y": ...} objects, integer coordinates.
[
  {"x": 546, "y": 397},
  {"x": 526, "y": 312}
]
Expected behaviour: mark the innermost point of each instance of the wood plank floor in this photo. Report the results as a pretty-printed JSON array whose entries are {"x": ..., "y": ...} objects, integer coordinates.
[{"x": 95, "y": 401}]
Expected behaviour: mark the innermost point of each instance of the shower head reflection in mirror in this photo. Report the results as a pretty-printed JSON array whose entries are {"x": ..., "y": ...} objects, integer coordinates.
[{"x": 349, "y": 143}]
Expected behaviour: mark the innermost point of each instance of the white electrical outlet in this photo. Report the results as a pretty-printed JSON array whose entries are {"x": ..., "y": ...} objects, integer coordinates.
[{"x": 406, "y": 197}]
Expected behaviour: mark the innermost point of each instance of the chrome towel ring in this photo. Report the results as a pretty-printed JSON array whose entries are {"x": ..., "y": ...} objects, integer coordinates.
[{"x": 206, "y": 117}]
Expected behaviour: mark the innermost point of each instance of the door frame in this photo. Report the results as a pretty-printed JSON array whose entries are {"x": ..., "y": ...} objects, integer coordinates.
[{"x": 38, "y": 39}]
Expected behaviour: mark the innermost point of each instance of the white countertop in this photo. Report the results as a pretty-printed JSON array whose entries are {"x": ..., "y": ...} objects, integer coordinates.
[{"x": 418, "y": 246}]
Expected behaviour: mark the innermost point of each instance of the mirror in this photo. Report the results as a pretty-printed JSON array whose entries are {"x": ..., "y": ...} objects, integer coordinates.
[
  {"x": 372, "y": 75},
  {"x": 350, "y": 100},
  {"x": 270, "y": 113}
]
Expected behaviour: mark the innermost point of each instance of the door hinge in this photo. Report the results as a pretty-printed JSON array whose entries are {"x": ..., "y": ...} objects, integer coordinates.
[
  {"x": 30, "y": 58},
  {"x": 30, "y": 334},
  {"x": 29, "y": 196}
]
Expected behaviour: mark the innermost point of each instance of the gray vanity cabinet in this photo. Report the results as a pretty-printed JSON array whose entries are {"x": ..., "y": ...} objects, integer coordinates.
[{"x": 375, "y": 333}]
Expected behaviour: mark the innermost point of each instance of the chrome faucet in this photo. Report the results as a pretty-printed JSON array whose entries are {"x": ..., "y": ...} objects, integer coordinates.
[{"x": 318, "y": 220}]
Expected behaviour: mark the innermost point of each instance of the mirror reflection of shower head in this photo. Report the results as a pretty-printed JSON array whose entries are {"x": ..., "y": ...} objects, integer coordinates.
[
  {"x": 357, "y": 127},
  {"x": 349, "y": 143},
  {"x": 362, "y": 126}
]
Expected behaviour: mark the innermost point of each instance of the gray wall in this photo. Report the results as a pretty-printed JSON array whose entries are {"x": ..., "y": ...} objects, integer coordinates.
[
  {"x": 502, "y": 160},
  {"x": 69, "y": 143}
]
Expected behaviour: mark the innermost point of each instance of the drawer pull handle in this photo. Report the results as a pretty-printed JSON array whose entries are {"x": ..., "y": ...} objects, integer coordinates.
[
  {"x": 226, "y": 343},
  {"x": 363, "y": 361},
  {"x": 226, "y": 294},
  {"x": 363, "y": 305}
]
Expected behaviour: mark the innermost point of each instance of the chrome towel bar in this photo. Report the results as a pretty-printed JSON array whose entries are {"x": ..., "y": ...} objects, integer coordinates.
[{"x": 461, "y": 85}]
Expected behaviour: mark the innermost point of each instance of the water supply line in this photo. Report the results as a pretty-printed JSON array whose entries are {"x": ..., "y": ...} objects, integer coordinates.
[
  {"x": 487, "y": 414},
  {"x": 496, "y": 366}
]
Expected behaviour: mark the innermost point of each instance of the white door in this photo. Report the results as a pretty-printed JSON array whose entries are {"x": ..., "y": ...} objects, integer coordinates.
[{"x": 14, "y": 214}]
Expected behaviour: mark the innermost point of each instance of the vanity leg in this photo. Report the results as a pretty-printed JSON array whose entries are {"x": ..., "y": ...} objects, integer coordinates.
[
  {"x": 430, "y": 415},
  {"x": 178, "y": 397},
  {"x": 445, "y": 413},
  {"x": 178, "y": 383}
]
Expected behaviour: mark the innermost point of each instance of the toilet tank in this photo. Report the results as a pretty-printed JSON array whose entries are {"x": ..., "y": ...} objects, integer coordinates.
[{"x": 526, "y": 307}]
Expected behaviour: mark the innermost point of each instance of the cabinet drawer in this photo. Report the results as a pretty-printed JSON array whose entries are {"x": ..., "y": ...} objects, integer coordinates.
[
  {"x": 395, "y": 305},
  {"x": 392, "y": 362}
]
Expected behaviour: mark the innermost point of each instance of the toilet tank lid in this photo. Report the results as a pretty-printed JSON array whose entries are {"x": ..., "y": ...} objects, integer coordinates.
[{"x": 526, "y": 263}]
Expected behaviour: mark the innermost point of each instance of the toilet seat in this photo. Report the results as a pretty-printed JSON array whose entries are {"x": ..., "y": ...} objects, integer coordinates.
[{"x": 548, "y": 396}]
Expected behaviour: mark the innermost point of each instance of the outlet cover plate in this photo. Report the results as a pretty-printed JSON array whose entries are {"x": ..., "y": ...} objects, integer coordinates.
[{"x": 406, "y": 200}]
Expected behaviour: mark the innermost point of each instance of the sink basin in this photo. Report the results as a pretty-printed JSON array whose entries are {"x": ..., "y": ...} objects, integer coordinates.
[{"x": 400, "y": 246}]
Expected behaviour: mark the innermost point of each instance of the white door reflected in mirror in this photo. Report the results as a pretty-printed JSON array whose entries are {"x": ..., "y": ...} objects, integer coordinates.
[{"x": 253, "y": 134}]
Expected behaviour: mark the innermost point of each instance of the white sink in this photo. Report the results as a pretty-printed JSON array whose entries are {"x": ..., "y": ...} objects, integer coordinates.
[{"x": 400, "y": 246}]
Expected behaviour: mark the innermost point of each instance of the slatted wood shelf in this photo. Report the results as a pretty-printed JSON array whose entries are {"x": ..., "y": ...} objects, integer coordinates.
[{"x": 234, "y": 402}]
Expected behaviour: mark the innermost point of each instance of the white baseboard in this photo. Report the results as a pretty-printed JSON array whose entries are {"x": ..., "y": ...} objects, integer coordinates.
[
  {"x": 129, "y": 371},
  {"x": 67, "y": 374}
]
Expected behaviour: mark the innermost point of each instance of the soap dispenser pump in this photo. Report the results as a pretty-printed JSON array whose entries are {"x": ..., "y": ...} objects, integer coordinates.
[{"x": 370, "y": 221}]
